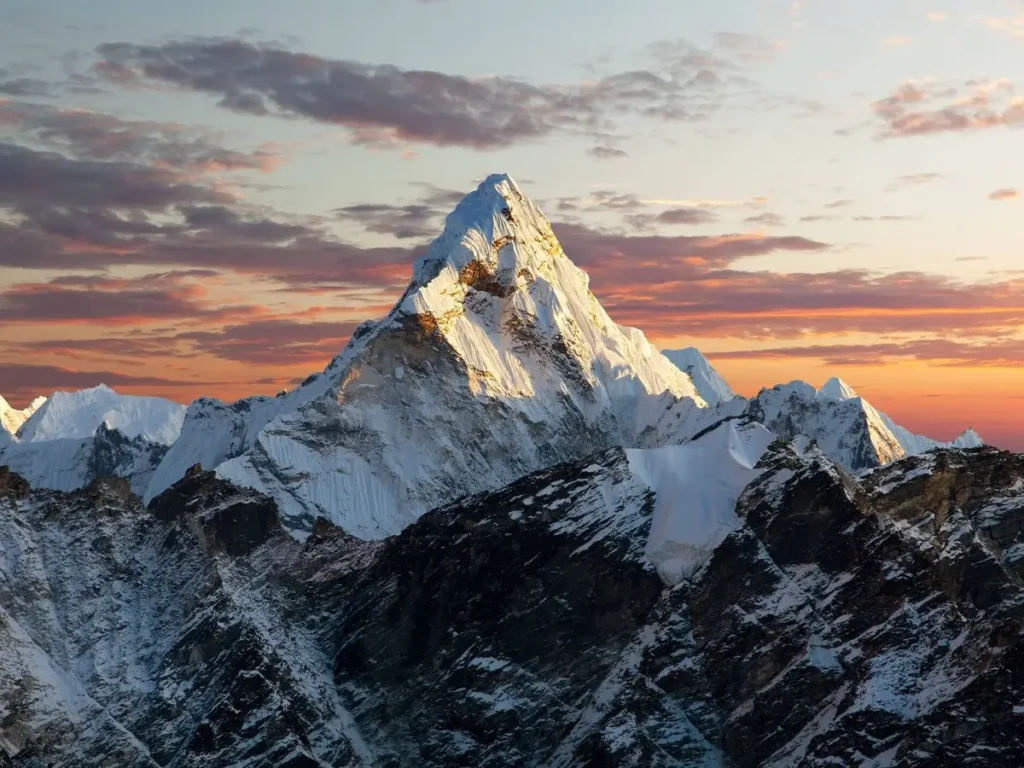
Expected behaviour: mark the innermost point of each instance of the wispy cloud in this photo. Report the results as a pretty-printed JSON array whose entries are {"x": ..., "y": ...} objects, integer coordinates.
[
  {"x": 1006, "y": 193},
  {"x": 607, "y": 153},
  {"x": 921, "y": 108},
  {"x": 99, "y": 136},
  {"x": 383, "y": 105},
  {"x": 1007, "y": 25},
  {"x": 912, "y": 180}
]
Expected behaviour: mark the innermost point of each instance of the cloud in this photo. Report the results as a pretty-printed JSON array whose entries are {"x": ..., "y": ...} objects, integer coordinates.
[
  {"x": 1006, "y": 193},
  {"x": 753, "y": 202},
  {"x": 1007, "y": 25},
  {"x": 98, "y": 136},
  {"x": 672, "y": 217},
  {"x": 937, "y": 16},
  {"x": 689, "y": 286},
  {"x": 912, "y": 180},
  {"x": 687, "y": 216},
  {"x": 383, "y": 105},
  {"x": 29, "y": 177},
  {"x": 22, "y": 86},
  {"x": 923, "y": 108},
  {"x": 607, "y": 153},
  {"x": 25, "y": 381},
  {"x": 886, "y": 218},
  {"x": 103, "y": 301},
  {"x": 63, "y": 213},
  {"x": 273, "y": 342},
  {"x": 947, "y": 352},
  {"x": 402, "y": 221},
  {"x": 839, "y": 204},
  {"x": 767, "y": 219},
  {"x": 751, "y": 47},
  {"x": 652, "y": 258}
]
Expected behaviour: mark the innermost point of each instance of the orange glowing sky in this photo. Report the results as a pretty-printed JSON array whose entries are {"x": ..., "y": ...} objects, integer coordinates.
[{"x": 206, "y": 201}]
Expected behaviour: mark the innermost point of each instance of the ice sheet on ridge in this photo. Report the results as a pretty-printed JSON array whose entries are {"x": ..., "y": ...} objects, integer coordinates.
[{"x": 696, "y": 487}]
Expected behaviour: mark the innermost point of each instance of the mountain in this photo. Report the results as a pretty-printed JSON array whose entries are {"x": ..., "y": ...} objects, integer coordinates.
[
  {"x": 825, "y": 619},
  {"x": 709, "y": 383},
  {"x": 71, "y": 415},
  {"x": 11, "y": 419},
  {"x": 837, "y": 389},
  {"x": 497, "y": 361},
  {"x": 73, "y": 438},
  {"x": 846, "y": 427}
]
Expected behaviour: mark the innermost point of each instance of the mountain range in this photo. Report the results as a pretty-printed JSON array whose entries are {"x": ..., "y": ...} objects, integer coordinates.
[
  {"x": 500, "y": 529},
  {"x": 497, "y": 361}
]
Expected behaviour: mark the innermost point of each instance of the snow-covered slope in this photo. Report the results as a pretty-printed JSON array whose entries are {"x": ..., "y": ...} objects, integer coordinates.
[
  {"x": 709, "y": 382},
  {"x": 75, "y": 437},
  {"x": 696, "y": 486},
  {"x": 11, "y": 418},
  {"x": 497, "y": 361}
]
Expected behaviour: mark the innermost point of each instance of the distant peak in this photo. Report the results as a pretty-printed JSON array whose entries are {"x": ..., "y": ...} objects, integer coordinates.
[
  {"x": 837, "y": 389},
  {"x": 709, "y": 383},
  {"x": 89, "y": 393},
  {"x": 969, "y": 438},
  {"x": 691, "y": 353}
]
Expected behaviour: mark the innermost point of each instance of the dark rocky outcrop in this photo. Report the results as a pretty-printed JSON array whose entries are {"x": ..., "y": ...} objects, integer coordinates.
[
  {"x": 226, "y": 518},
  {"x": 12, "y": 485},
  {"x": 848, "y": 621}
]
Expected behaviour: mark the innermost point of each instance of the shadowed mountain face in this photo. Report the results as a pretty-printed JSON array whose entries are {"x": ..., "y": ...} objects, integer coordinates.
[{"x": 845, "y": 620}]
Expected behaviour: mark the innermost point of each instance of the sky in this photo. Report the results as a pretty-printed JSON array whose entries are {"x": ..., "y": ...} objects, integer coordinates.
[{"x": 206, "y": 198}]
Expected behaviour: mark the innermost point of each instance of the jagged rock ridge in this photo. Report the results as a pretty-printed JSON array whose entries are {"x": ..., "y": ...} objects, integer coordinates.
[{"x": 842, "y": 620}]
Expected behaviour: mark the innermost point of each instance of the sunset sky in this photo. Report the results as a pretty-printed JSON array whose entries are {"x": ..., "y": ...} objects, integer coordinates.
[{"x": 206, "y": 197}]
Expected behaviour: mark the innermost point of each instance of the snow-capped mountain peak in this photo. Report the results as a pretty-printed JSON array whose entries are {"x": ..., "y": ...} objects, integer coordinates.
[
  {"x": 496, "y": 361},
  {"x": 496, "y": 214},
  {"x": 12, "y": 418},
  {"x": 73, "y": 438},
  {"x": 969, "y": 438},
  {"x": 76, "y": 415},
  {"x": 497, "y": 284},
  {"x": 709, "y": 382},
  {"x": 847, "y": 428},
  {"x": 837, "y": 389}
]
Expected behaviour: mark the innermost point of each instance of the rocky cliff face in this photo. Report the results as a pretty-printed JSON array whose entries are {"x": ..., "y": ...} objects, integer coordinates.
[{"x": 845, "y": 621}]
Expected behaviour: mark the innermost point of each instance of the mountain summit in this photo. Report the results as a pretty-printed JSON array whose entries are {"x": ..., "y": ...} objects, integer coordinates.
[
  {"x": 12, "y": 418},
  {"x": 67, "y": 441},
  {"x": 495, "y": 362},
  {"x": 837, "y": 389},
  {"x": 708, "y": 382}
]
